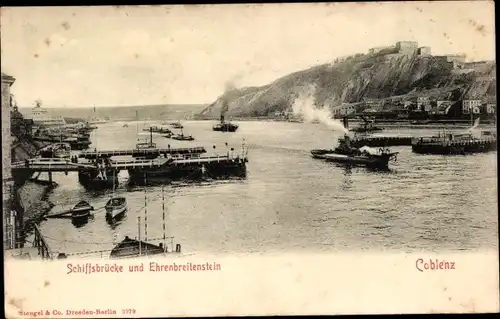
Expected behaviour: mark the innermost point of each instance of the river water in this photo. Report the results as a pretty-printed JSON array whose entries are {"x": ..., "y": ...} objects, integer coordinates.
[{"x": 291, "y": 202}]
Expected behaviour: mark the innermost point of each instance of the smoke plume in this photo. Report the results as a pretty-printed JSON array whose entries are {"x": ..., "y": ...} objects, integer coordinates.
[{"x": 304, "y": 106}]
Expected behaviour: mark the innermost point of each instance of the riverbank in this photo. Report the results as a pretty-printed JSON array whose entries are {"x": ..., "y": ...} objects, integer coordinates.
[
  {"x": 31, "y": 195},
  {"x": 33, "y": 199},
  {"x": 383, "y": 124}
]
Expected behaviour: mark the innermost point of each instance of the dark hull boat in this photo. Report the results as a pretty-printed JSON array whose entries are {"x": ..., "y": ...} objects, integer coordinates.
[
  {"x": 176, "y": 125},
  {"x": 225, "y": 126},
  {"x": 132, "y": 248},
  {"x": 57, "y": 150},
  {"x": 470, "y": 142},
  {"x": 182, "y": 137},
  {"x": 374, "y": 161},
  {"x": 81, "y": 212},
  {"x": 190, "y": 170},
  {"x": 157, "y": 129},
  {"x": 93, "y": 179},
  {"x": 364, "y": 156}
]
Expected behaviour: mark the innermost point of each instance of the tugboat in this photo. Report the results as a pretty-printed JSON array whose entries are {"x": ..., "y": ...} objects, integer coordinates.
[
  {"x": 81, "y": 212},
  {"x": 225, "y": 126},
  {"x": 157, "y": 129},
  {"x": 176, "y": 125},
  {"x": 345, "y": 153},
  {"x": 182, "y": 137}
]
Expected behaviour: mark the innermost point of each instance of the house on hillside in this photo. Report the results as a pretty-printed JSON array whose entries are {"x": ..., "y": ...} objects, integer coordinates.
[
  {"x": 424, "y": 51},
  {"x": 406, "y": 46},
  {"x": 423, "y": 103},
  {"x": 490, "y": 106},
  {"x": 471, "y": 106}
]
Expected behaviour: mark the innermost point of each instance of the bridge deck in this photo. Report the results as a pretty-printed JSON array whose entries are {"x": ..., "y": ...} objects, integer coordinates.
[
  {"x": 144, "y": 152},
  {"x": 58, "y": 165}
]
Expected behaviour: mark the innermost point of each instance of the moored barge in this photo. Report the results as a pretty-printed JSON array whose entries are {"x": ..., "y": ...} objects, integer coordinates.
[{"x": 454, "y": 144}]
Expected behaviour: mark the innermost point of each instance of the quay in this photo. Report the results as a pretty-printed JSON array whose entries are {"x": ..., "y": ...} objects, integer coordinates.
[
  {"x": 39, "y": 250},
  {"x": 381, "y": 141},
  {"x": 450, "y": 146}
]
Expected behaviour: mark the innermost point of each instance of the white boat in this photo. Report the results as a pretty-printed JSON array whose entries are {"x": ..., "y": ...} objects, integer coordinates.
[
  {"x": 116, "y": 206},
  {"x": 41, "y": 117},
  {"x": 96, "y": 120}
]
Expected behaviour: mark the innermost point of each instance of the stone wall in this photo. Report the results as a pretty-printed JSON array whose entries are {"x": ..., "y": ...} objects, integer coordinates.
[{"x": 9, "y": 237}]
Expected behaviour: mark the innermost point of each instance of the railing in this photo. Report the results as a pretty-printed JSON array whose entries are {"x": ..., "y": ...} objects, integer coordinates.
[{"x": 41, "y": 245}]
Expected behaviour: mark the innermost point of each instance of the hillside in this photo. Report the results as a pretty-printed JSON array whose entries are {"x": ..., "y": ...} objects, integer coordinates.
[
  {"x": 368, "y": 76},
  {"x": 163, "y": 112}
]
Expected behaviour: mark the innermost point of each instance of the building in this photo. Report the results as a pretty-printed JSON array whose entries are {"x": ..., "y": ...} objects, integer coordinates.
[
  {"x": 9, "y": 238},
  {"x": 425, "y": 51},
  {"x": 407, "y": 46},
  {"x": 491, "y": 108},
  {"x": 471, "y": 105},
  {"x": 423, "y": 103}
]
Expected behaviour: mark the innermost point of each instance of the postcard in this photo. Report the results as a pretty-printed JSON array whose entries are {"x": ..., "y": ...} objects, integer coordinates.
[{"x": 249, "y": 159}]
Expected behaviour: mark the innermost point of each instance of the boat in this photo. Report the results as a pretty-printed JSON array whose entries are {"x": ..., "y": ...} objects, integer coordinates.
[
  {"x": 81, "y": 211},
  {"x": 157, "y": 129},
  {"x": 366, "y": 156},
  {"x": 130, "y": 248},
  {"x": 182, "y": 137},
  {"x": 176, "y": 125},
  {"x": 96, "y": 120},
  {"x": 42, "y": 118},
  {"x": 225, "y": 126},
  {"x": 116, "y": 206},
  {"x": 472, "y": 141},
  {"x": 56, "y": 150}
]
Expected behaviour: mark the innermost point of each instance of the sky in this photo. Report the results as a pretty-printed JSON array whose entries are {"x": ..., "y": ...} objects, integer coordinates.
[{"x": 129, "y": 55}]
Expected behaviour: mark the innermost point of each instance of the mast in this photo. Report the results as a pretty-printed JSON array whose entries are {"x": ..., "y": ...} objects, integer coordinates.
[
  {"x": 151, "y": 141},
  {"x": 145, "y": 212},
  {"x": 163, "y": 210},
  {"x": 139, "y": 234}
]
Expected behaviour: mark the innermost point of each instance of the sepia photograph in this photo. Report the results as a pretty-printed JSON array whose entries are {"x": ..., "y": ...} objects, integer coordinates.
[{"x": 161, "y": 134}]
